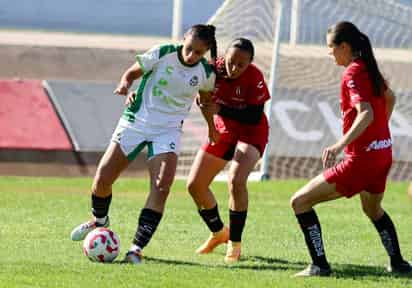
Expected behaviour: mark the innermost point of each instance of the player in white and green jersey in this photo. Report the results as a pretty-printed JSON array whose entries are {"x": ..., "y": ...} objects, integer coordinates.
[{"x": 172, "y": 76}]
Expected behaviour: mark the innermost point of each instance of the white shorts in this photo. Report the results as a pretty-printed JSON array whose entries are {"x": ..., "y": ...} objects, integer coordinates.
[{"x": 132, "y": 140}]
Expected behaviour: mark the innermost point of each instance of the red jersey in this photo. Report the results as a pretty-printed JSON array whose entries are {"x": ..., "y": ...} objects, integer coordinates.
[
  {"x": 356, "y": 87},
  {"x": 248, "y": 89}
]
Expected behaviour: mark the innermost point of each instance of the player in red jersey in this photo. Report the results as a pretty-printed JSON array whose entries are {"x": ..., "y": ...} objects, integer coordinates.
[
  {"x": 366, "y": 106},
  {"x": 238, "y": 131}
]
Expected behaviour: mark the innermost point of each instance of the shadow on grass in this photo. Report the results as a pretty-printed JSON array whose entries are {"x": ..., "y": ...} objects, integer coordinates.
[
  {"x": 360, "y": 271},
  {"x": 349, "y": 271}
]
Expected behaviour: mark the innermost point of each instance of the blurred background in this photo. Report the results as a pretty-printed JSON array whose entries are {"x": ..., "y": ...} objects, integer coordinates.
[{"x": 60, "y": 61}]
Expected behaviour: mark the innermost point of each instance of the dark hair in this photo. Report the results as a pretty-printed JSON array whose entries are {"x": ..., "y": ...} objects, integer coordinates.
[
  {"x": 206, "y": 33},
  {"x": 361, "y": 47},
  {"x": 245, "y": 45}
]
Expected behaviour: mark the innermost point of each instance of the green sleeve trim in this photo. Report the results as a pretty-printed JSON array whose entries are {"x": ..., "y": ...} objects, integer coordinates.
[
  {"x": 166, "y": 49},
  {"x": 138, "y": 60},
  {"x": 131, "y": 110}
]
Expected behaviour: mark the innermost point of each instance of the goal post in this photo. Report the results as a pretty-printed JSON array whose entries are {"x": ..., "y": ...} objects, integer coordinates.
[{"x": 289, "y": 38}]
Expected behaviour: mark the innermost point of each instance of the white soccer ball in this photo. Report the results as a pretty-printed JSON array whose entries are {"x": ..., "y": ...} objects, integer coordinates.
[{"x": 101, "y": 245}]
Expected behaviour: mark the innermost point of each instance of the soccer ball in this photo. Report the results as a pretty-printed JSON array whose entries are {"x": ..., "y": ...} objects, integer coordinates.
[{"x": 101, "y": 245}]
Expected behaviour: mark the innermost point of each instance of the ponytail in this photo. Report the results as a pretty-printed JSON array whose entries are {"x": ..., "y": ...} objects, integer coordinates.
[
  {"x": 366, "y": 54},
  {"x": 213, "y": 47},
  {"x": 362, "y": 48}
]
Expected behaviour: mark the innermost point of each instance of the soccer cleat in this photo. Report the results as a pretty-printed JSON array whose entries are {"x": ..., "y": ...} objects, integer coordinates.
[
  {"x": 313, "y": 270},
  {"x": 214, "y": 240},
  {"x": 133, "y": 257},
  {"x": 81, "y": 231},
  {"x": 401, "y": 268},
  {"x": 233, "y": 252}
]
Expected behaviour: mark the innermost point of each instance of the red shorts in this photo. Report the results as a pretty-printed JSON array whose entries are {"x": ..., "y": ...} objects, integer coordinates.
[
  {"x": 232, "y": 131},
  {"x": 364, "y": 173}
]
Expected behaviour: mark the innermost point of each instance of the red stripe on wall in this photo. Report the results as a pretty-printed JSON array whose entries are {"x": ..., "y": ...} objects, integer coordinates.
[{"x": 28, "y": 119}]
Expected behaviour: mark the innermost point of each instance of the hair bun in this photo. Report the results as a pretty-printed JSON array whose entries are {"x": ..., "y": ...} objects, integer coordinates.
[{"x": 211, "y": 28}]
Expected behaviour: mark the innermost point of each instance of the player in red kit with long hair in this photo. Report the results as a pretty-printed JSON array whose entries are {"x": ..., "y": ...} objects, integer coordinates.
[
  {"x": 238, "y": 132},
  {"x": 366, "y": 106}
]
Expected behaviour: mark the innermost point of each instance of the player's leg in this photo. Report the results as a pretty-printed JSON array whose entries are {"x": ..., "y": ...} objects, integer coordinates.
[
  {"x": 244, "y": 161},
  {"x": 162, "y": 170},
  {"x": 207, "y": 164},
  {"x": 204, "y": 169},
  {"x": 315, "y": 191},
  {"x": 371, "y": 205},
  {"x": 162, "y": 154},
  {"x": 111, "y": 165}
]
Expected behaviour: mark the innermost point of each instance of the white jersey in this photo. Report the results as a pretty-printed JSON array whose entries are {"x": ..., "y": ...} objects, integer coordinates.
[{"x": 167, "y": 89}]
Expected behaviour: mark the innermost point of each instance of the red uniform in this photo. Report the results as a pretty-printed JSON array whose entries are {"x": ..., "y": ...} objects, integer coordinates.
[
  {"x": 248, "y": 89},
  {"x": 369, "y": 157}
]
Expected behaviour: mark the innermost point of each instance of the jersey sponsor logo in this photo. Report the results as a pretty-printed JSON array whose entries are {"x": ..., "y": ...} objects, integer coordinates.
[
  {"x": 379, "y": 144},
  {"x": 194, "y": 81},
  {"x": 351, "y": 84}
]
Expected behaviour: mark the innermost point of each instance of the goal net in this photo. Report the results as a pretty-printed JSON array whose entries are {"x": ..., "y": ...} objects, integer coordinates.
[{"x": 304, "y": 81}]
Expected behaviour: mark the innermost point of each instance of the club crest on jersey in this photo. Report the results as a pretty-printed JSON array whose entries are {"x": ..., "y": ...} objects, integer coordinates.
[
  {"x": 238, "y": 91},
  {"x": 194, "y": 81}
]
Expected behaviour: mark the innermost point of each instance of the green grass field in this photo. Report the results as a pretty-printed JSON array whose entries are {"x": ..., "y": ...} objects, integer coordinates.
[{"x": 37, "y": 215}]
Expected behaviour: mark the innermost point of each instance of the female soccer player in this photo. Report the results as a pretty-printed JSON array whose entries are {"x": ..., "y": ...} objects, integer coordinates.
[
  {"x": 238, "y": 131},
  {"x": 366, "y": 106},
  {"x": 172, "y": 76}
]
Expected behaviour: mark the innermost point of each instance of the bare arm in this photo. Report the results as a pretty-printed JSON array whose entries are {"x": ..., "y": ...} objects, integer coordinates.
[
  {"x": 131, "y": 74},
  {"x": 363, "y": 119},
  {"x": 390, "y": 102},
  {"x": 208, "y": 109}
]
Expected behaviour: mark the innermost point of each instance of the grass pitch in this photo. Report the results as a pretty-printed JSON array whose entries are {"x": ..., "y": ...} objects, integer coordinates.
[{"x": 38, "y": 214}]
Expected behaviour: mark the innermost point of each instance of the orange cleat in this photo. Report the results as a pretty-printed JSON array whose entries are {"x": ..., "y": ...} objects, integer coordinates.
[
  {"x": 214, "y": 240},
  {"x": 233, "y": 252}
]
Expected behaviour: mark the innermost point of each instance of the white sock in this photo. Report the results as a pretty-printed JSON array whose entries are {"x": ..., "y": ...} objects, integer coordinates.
[
  {"x": 102, "y": 220},
  {"x": 136, "y": 248}
]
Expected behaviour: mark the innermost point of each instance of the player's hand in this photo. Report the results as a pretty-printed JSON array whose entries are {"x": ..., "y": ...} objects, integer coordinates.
[
  {"x": 130, "y": 99},
  {"x": 213, "y": 136},
  {"x": 121, "y": 89},
  {"x": 329, "y": 155},
  {"x": 205, "y": 97},
  {"x": 210, "y": 108}
]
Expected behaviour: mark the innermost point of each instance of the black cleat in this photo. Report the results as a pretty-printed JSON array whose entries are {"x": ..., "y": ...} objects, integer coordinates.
[{"x": 403, "y": 267}]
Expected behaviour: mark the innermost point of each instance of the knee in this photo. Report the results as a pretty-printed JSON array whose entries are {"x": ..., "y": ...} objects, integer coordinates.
[
  {"x": 297, "y": 202},
  {"x": 192, "y": 187},
  {"x": 374, "y": 213},
  {"x": 102, "y": 180}
]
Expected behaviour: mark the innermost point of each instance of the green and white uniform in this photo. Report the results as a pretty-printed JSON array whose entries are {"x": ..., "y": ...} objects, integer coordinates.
[{"x": 163, "y": 100}]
